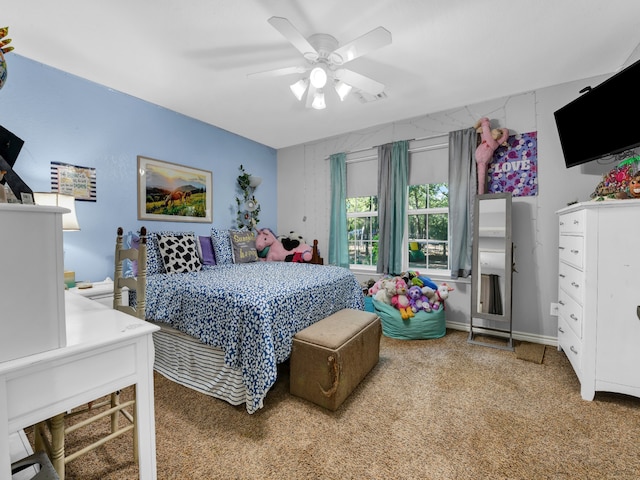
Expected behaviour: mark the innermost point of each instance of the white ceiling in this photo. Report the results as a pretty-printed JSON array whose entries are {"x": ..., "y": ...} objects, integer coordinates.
[{"x": 193, "y": 56}]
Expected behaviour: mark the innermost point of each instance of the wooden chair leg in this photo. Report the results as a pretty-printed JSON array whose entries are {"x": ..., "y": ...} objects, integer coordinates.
[
  {"x": 57, "y": 444},
  {"x": 115, "y": 400},
  {"x": 135, "y": 426}
]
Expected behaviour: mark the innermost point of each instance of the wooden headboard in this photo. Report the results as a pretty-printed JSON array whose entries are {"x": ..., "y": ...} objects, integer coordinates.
[{"x": 316, "y": 258}]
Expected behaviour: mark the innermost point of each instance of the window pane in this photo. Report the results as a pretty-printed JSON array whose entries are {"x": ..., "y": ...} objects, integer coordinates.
[
  {"x": 417, "y": 196},
  {"x": 417, "y": 226},
  {"x": 438, "y": 226},
  {"x": 438, "y": 195},
  {"x": 363, "y": 240},
  {"x": 362, "y": 204},
  {"x": 438, "y": 255}
]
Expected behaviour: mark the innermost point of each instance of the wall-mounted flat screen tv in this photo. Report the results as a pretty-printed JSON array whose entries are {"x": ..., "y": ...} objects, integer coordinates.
[{"x": 603, "y": 121}]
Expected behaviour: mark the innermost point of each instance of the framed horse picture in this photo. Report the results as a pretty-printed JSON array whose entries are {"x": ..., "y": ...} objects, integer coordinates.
[{"x": 173, "y": 193}]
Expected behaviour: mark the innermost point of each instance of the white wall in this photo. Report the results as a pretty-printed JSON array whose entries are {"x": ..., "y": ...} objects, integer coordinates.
[{"x": 304, "y": 194}]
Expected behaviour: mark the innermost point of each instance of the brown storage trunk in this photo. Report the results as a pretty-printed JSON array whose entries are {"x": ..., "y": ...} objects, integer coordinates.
[{"x": 331, "y": 357}]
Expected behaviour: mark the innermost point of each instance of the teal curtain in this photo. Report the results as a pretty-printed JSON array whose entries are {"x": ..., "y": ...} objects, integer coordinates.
[
  {"x": 338, "y": 245},
  {"x": 393, "y": 176}
]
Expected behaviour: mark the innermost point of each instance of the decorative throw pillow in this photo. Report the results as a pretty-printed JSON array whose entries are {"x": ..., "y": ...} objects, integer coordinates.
[
  {"x": 222, "y": 246},
  {"x": 179, "y": 253},
  {"x": 154, "y": 257},
  {"x": 244, "y": 246},
  {"x": 205, "y": 250}
]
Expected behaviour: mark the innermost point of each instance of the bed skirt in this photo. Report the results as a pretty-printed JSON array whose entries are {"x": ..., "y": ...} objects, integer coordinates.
[{"x": 185, "y": 360}]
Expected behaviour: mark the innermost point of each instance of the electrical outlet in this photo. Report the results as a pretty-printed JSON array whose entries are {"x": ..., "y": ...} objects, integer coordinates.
[{"x": 554, "y": 309}]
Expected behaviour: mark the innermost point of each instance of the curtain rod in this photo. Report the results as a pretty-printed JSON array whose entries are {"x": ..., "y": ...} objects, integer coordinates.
[{"x": 410, "y": 140}]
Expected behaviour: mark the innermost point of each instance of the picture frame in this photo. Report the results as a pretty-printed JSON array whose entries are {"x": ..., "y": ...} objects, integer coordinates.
[{"x": 173, "y": 192}]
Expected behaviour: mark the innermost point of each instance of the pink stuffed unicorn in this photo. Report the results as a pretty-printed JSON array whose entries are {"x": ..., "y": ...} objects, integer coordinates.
[
  {"x": 491, "y": 140},
  {"x": 276, "y": 252}
]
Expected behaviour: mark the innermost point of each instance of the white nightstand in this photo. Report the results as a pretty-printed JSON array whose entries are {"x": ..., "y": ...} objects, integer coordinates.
[{"x": 99, "y": 291}]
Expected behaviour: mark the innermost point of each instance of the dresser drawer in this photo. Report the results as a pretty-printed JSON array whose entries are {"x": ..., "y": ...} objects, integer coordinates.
[
  {"x": 571, "y": 250},
  {"x": 572, "y": 281},
  {"x": 573, "y": 222},
  {"x": 571, "y": 345},
  {"x": 571, "y": 312}
]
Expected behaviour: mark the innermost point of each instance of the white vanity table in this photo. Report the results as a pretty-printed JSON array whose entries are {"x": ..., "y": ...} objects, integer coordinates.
[
  {"x": 599, "y": 294},
  {"x": 105, "y": 350}
]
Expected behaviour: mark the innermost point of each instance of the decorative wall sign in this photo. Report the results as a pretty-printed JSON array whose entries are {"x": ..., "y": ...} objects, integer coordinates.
[
  {"x": 80, "y": 182},
  {"x": 515, "y": 166},
  {"x": 172, "y": 192}
]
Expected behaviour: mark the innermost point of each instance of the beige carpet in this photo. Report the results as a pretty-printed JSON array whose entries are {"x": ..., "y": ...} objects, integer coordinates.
[
  {"x": 431, "y": 409},
  {"x": 531, "y": 352}
]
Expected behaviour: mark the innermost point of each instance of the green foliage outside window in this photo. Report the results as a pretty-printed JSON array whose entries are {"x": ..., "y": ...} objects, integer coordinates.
[{"x": 428, "y": 226}]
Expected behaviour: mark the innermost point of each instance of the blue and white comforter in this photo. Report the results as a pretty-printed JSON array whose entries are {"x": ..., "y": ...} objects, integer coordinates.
[{"x": 251, "y": 311}]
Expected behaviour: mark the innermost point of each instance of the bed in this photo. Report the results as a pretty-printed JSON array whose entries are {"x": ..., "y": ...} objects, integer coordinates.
[{"x": 226, "y": 327}]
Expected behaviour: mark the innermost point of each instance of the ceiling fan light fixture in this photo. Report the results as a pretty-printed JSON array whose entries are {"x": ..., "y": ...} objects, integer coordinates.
[
  {"x": 318, "y": 77},
  {"x": 318, "y": 101},
  {"x": 299, "y": 88},
  {"x": 342, "y": 89}
]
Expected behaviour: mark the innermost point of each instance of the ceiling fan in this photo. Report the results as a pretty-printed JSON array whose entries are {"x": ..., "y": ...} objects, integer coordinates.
[{"x": 324, "y": 63}]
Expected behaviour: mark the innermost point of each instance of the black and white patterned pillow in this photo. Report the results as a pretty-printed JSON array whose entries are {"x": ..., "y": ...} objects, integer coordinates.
[{"x": 179, "y": 253}]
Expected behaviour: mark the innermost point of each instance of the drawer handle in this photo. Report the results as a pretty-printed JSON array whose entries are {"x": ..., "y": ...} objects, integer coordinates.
[
  {"x": 561, "y": 302},
  {"x": 561, "y": 223},
  {"x": 560, "y": 248},
  {"x": 560, "y": 330},
  {"x": 575, "y": 252},
  {"x": 574, "y": 284},
  {"x": 576, "y": 222},
  {"x": 573, "y": 349},
  {"x": 573, "y": 317},
  {"x": 562, "y": 275}
]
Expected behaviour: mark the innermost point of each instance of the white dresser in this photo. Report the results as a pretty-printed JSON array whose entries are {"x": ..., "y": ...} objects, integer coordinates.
[
  {"x": 31, "y": 280},
  {"x": 599, "y": 294}
]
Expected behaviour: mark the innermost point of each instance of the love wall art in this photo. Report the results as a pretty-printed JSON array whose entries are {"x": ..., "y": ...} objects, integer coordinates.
[{"x": 515, "y": 166}]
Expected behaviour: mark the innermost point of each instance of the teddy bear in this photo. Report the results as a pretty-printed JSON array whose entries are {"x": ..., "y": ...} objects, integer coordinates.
[
  {"x": 291, "y": 240},
  {"x": 266, "y": 240},
  {"x": 418, "y": 301},
  {"x": 386, "y": 290},
  {"x": 490, "y": 141},
  {"x": 401, "y": 301}
]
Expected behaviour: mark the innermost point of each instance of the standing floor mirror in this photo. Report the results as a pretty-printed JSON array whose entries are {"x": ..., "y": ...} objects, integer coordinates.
[{"x": 492, "y": 272}]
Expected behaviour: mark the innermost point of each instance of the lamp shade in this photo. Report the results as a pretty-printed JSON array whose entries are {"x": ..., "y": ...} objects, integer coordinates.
[
  {"x": 254, "y": 181},
  {"x": 69, "y": 220},
  {"x": 318, "y": 101}
]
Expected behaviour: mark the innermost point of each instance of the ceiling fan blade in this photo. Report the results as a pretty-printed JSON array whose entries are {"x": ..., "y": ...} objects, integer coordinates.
[
  {"x": 376, "y": 38},
  {"x": 360, "y": 82},
  {"x": 290, "y": 32},
  {"x": 278, "y": 72}
]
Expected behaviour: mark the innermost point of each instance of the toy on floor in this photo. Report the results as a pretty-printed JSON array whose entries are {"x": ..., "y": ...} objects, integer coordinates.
[
  {"x": 401, "y": 301},
  {"x": 491, "y": 140}
]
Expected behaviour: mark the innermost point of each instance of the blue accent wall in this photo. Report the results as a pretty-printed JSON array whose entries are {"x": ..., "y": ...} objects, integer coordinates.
[{"x": 63, "y": 118}]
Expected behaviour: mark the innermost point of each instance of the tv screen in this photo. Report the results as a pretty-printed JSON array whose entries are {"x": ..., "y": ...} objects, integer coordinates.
[{"x": 603, "y": 121}]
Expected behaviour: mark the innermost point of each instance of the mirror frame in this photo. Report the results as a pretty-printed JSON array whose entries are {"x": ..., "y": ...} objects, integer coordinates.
[{"x": 486, "y": 327}]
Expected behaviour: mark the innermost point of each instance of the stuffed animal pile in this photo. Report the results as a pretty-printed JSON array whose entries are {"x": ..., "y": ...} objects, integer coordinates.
[
  {"x": 271, "y": 249},
  {"x": 410, "y": 293}
]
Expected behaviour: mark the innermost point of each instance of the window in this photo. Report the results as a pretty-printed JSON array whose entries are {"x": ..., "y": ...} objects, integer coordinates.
[
  {"x": 428, "y": 227},
  {"x": 362, "y": 230},
  {"x": 427, "y": 224}
]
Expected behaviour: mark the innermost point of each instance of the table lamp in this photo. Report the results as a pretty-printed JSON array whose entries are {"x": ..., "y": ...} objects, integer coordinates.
[{"x": 69, "y": 221}]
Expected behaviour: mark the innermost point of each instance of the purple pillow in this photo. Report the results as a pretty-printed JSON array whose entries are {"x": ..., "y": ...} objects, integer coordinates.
[{"x": 206, "y": 251}]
